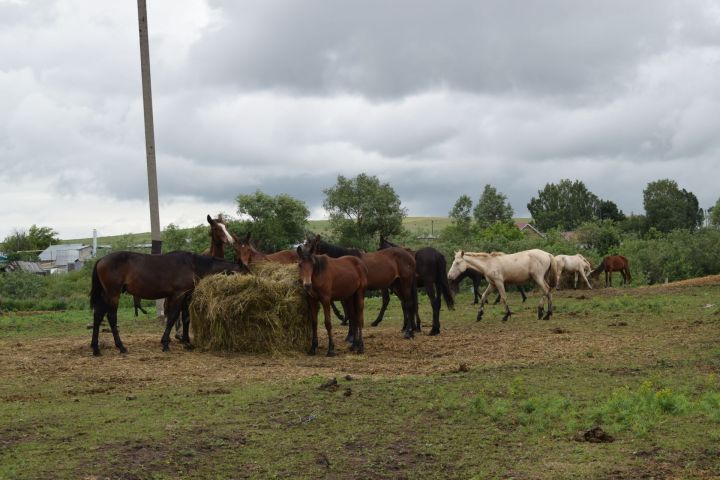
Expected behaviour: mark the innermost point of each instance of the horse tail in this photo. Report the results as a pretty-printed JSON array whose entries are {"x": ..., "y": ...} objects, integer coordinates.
[
  {"x": 551, "y": 275},
  {"x": 96, "y": 290},
  {"x": 442, "y": 284}
]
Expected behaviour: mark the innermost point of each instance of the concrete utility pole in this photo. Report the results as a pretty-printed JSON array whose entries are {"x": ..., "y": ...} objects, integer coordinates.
[{"x": 149, "y": 138}]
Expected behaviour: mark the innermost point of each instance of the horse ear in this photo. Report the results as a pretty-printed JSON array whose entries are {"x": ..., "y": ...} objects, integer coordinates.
[
  {"x": 299, "y": 251},
  {"x": 462, "y": 253},
  {"x": 220, "y": 218},
  {"x": 209, "y": 219}
]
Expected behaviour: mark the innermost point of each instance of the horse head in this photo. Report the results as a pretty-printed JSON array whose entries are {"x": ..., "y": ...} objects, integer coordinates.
[
  {"x": 458, "y": 266},
  {"x": 306, "y": 265},
  {"x": 218, "y": 231}
]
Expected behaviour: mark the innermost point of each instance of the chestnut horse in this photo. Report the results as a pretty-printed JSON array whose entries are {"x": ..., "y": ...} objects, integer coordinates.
[
  {"x": 613, "y": 263},
  {"x": 389, "y": 269},
  {"x": 326, "y": 279},
  {"x": 246, "y": 253},
  {"x": 171, "y": 276},
  {"x": 430, "y": 273},
  {"x": 477, "y": 277},
  {"x": 499, "y": 268}
]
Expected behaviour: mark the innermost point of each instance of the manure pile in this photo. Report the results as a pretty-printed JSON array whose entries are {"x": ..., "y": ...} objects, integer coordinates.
[{"x": 265, "y": 312}]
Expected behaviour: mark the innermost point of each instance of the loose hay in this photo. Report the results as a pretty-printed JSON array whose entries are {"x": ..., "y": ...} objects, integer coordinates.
[{"x": 260, "y": 313}]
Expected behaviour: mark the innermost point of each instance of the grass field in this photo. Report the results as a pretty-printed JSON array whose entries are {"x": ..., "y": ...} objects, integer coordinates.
[{"x": 483, "y": 400}]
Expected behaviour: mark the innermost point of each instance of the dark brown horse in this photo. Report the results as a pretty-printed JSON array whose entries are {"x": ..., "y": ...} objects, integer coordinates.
[
  {"x": 219, "y": 236},
  {"x": 476, "y": 278},
  {"x": 171, "y": 276},
  {"x": 246, "y": 253},
  {"x": 389, "y": 269},
  {"x": 326, "y": 279},
  {"x": 431, "y": 274},
  {"x": 613, "y": 263}
]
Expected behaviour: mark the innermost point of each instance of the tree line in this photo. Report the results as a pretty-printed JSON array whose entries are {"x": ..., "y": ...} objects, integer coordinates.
[{"x": 362, "y": 208}]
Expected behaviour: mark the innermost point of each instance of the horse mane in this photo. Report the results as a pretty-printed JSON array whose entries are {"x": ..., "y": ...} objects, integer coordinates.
[
  {"x": 496, "y": 254},
  {"x": 320, "y": 264},
  {"x": 478, "y": 254},
  {"x": 336, "y": 251}
]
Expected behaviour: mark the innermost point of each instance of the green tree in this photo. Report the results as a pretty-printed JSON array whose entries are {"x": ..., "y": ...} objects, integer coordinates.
[
  {"x": 461, "y": 213},
  {"x": 174, "y": 238},
  {"x": 361, "y": 208},
  {"x": 491, "y": 208},
  {"x": 608, "y": 210},
  {"x": 714, "y": 213},
  {"x": 276, "y": 222},
  {"x": 667, "y": 207},
  {"x": 36, "y": 238},
  {"x": 601, "y": 236},
  {"x": 563, "y": 206}
]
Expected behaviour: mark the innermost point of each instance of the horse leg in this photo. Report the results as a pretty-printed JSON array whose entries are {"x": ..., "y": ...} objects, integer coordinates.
[
  {"x": 503, "y": 296},
  {"x": 584, "y": 277},
  {"x": 112, "y": 320},
  {"x": 98, "y": 314},
  {"x": 358, "y": 306},
  {"x": 186, "y": 323},
  {"x": 476, "y": 290},
  {"x": 548, "y": 294},
  {"x": 385, "y": 301},
  {"x": 174, "y": 306},
  {"x": 328, "y": 328},
  {"x": 408, "y": 317},
  {"x": 350, "y": 316},
  {"x": 522, "y": 292},
  {"x": 340, "y": 316},
  {"x": 483, "y": 299},
  {"x": 435, "y": 303},
  {"x": 313, "y": 311},
  {"x": 575, "y": 278}
]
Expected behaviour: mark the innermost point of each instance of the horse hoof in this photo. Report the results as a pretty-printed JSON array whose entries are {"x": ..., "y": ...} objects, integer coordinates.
[
  {"x": 312, "y": 352},
  {"x": 330, "y": 353},
  {"x": 96, "y": 353},
  {"x": 434, "y": 332},
  {"x": 189, "y": 346},
  {"x": 360, "y": 350},
  {"x": 375, "y": 324},
  {"x": 123, "y": 350},
  {"x": 166, "y": 348},
  {"x": 409, "y": 335}
]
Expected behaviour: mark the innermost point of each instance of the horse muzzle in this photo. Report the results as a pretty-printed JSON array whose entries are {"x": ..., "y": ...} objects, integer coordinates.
[{"x": 308, "y": 288}]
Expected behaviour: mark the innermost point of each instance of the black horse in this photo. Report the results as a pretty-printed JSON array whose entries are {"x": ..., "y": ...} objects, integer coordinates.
[
  {"x": 171, "y": 276},
  {"x": 477, "y": 277},
  {"x": 431, "y": 274}
]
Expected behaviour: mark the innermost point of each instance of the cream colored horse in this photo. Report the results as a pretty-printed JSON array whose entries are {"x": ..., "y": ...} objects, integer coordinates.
[
  {"x": 499, "y": 269},
  {"x": 577, "y": 264}
]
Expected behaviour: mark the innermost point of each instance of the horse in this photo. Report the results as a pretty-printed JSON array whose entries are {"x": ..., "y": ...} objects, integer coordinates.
[
  {"x": 477, "y": 277},
  {"x": 325, "y": 279},
  {"x": 535, "y": 265},
  {"x": 613, "y": 263},
  {"x": 219, "y": 236},
  {"x": 577, "y": 264},
  {"x": 430, "y": 268},
  {"x": 171, "y": 276},
  {"x": 246, "y": 253},
  {"x": 389, "y": 269}
]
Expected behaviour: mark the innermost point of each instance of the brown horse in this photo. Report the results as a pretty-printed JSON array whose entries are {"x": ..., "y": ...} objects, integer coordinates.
[
  {"x": 393, "y": 269},
  {"x": 613, "y": 263},
  {"x": 326, "y": 279},
  {"x": 246, "y": 253},
  {"x": 171, "y": 276}
]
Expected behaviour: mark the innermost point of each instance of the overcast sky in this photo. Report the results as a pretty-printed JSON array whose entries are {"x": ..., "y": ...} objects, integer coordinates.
[{"x": 435, "y": 98}]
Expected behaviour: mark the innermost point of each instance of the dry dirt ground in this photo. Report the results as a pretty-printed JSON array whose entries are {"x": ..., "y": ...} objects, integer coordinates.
[{"x": 462, "y": 343}]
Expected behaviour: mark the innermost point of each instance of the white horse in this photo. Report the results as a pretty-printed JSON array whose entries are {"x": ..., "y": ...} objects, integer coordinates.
[
  {"x": 577, "y": 264},
  {"x": 499, "y": 269}
]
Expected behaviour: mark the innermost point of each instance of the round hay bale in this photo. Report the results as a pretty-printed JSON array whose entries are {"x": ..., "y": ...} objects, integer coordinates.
[{"x": 265, "y": 312}]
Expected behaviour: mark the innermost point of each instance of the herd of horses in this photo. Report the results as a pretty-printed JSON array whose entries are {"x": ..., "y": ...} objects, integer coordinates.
[{"x": 330, "y": 273}]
